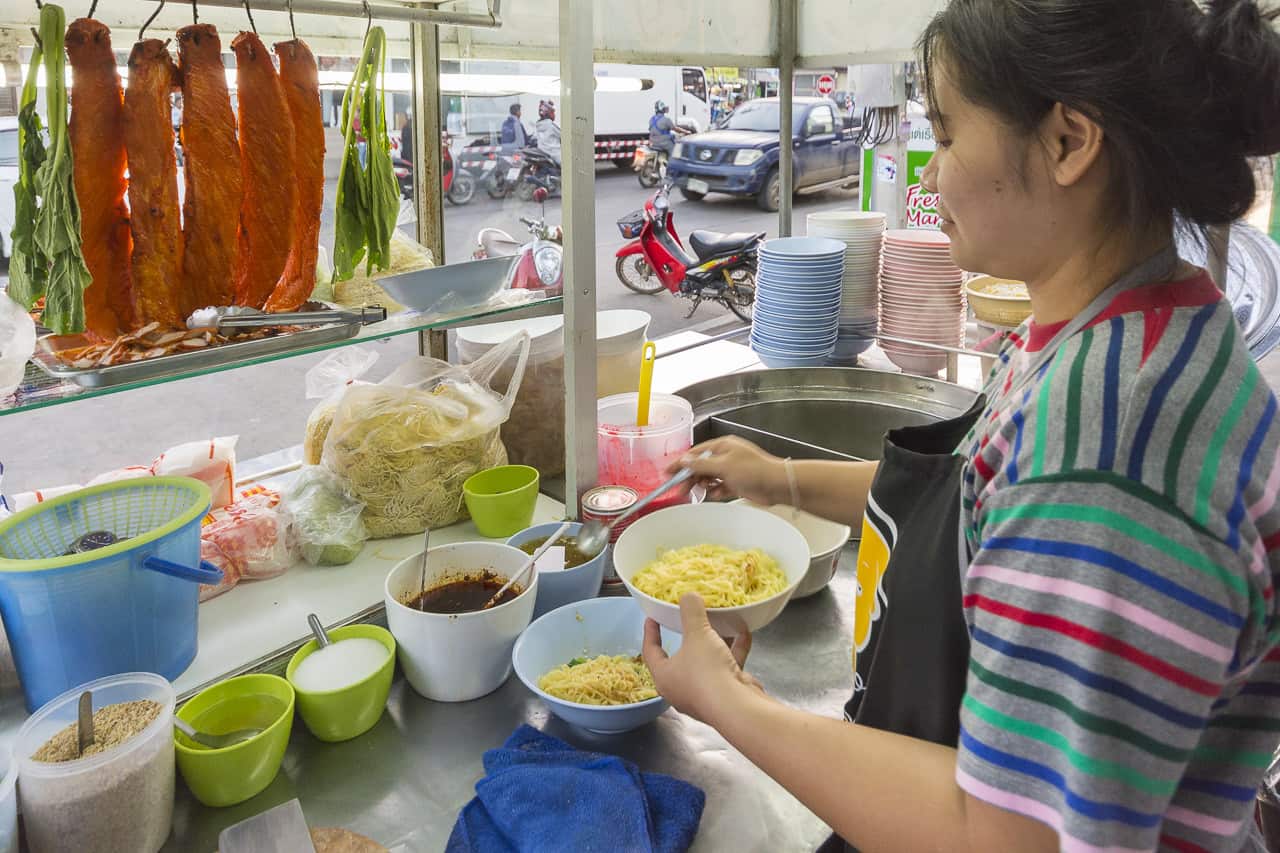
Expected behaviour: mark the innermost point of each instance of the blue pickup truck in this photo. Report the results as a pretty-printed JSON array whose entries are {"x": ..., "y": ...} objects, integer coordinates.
[{"x": 742, "y": 157}]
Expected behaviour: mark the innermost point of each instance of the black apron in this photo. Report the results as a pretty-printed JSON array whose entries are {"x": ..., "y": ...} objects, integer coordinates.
[{"x": 911, "y": 640}]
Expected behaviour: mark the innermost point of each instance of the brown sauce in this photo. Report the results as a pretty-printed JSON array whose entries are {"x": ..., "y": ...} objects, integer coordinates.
[
  {"x": 464, "y": 595},
  {"x": 572, "y": 556}
]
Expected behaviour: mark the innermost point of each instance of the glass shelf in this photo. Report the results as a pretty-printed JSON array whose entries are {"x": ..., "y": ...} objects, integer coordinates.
[{"x": 39, "y": 390}]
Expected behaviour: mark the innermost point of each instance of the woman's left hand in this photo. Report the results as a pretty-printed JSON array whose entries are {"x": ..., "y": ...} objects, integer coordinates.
[{"x": 706, "y": 671}]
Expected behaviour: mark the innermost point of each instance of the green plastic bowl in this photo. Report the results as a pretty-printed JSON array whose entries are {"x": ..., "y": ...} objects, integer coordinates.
[
  {"x": 225, "y": 777},
  {"x": 338, "y": 715},
  {"x": 501, "y": 500}
]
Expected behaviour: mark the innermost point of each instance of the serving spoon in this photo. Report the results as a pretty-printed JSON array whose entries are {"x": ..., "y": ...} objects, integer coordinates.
[
  {"x": 214, "y": 741},
  {"x": 594, "y": 535}
]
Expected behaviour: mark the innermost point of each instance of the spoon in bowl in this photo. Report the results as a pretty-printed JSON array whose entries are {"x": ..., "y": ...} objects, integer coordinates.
[
  {"x": 214, "y": 741},
  {"x": 594, "y": 535},
  {"x": 530, "y": 563}
]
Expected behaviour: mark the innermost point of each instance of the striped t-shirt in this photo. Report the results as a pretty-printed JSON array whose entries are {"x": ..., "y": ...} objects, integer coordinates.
[{"x": 1124, "y": 538}]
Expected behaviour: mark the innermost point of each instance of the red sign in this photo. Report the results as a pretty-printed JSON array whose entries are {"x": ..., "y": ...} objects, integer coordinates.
[{"x": 826, "y": 84}]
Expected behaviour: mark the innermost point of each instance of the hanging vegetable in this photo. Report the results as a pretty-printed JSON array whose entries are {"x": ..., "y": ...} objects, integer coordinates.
[
  {"x": 368, "y": 194},
  {"x": 47, "y": 260}
]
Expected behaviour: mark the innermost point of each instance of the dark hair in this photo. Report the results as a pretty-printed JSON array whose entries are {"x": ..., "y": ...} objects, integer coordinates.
[
  {"x": 1185, "y": 97},
  {"x": 515, "y": 109}
]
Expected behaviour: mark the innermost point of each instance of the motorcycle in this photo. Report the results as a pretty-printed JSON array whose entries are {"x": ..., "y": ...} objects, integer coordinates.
[
  {"x": 651, "y": 164},
  {"x": 537, "y": 170},
  {"x": 539, "y": 263},
  {"x": 501, "y": 179},
  {"x": 459, "y": 184},
  {"x": 721, "y": 268}
]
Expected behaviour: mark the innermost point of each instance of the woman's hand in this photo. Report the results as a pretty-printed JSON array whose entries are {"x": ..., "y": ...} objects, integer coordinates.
[
  {"x": 737, "y": 468},
  {"x": 706, "y": 671}
]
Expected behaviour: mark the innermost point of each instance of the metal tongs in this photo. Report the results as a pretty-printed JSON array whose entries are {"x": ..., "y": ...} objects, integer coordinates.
[{"x": 238, "y": 319}]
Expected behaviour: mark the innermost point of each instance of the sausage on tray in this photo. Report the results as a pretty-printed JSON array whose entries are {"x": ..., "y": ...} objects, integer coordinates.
[
  {"x": 153, "y": 186},
  {"x": 211, "y": 166},
  {"x": 98, "y": 156},
  {"x": 266, "y": 145},
  {"x": 301, "y": 81}
]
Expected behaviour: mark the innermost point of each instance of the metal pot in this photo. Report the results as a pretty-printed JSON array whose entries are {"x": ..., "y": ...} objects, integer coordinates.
[{"x": 821, "y": 412}]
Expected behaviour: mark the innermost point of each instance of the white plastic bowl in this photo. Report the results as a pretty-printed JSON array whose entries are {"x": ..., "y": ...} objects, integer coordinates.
[
  {"x": 597, "y": 626},
  {"x": 456, "y": 657},
  {"x": 735, "y": 526},
  {"x": 826, "y": 540}
]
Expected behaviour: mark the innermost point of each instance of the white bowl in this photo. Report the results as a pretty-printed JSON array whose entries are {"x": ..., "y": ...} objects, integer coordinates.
[
  {"x": 826, "y": 540},
  {"x": 739, "y": 527},
  {"x": 456, "y": 657},
  {"x": 595, "y": 626}
]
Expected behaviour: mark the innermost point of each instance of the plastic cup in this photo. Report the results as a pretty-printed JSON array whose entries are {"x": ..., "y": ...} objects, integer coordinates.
[
  {"x": 638, "y": 456},
  {"x": 502, "y": 500},
  {"x": 338, "y": 715}
]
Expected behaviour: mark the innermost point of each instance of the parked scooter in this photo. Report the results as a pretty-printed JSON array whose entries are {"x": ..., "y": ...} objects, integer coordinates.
[
  {"x": 459, "y": 184},
  {"x": 722, "y": 267},
  {"x": 538, "y": 264},
  {"x": 537, "y": 170},
  {"x": 651, "y": 164}
]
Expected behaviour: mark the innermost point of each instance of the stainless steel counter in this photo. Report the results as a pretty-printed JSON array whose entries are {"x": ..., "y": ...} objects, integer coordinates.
[{"x": 404, "y": 782}]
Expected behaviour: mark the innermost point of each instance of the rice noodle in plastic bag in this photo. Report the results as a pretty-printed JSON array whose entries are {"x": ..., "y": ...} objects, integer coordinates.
[
  {"x": 406, "y": 445},
  {"x": 326, "y": 381}
]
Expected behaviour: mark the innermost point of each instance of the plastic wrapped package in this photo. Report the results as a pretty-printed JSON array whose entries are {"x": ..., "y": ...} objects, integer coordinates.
[
  {"x": 406, "y": 445},
  {"x": 129, "y": 472},
  {"x": 211, "y": 553},
  {"x": 326, "y": 381},
  {"x": 326, "y": 520},
  {"x": 212, "y": 461},
  {"x": 17, "y": 343},
  {"x": 254, "y": 534}
]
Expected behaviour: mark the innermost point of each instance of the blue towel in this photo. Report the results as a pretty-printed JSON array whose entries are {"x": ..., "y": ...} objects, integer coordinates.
[{"x": 540, "y": 794}]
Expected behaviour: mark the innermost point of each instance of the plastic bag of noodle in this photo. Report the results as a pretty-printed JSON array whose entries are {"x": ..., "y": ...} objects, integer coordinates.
[{"x": 405, "y": 446}]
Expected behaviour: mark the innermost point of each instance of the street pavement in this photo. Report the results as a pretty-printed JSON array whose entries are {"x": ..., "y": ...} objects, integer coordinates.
[{"x": 266, "y": 405}]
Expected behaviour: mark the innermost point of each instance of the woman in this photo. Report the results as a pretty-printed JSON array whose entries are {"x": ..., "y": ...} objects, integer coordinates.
[{"x": 1067, "y": 621}]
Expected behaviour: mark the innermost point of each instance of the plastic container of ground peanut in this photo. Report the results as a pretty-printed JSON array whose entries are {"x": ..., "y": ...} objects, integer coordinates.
[{"x": 119, "y": 799}]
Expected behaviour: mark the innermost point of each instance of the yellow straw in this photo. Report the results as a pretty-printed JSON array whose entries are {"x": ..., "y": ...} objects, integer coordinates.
[{"x": 646, "y": 382}]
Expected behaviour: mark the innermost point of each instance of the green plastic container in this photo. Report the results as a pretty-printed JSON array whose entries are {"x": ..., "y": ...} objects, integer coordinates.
[
  {"x": 502, "y": 500},
  {"x": 225, "y": 777},
  {"x": 338, "y": 715}
]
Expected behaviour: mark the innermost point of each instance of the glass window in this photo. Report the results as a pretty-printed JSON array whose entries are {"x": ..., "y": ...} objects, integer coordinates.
[
  {"x": 695, "y": 83},
  {"x": 755, "y": 115},
  {"x": 820, "y": 122}
]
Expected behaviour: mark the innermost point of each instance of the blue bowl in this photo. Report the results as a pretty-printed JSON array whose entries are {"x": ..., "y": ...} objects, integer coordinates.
[
  {"x": 556, "y": 589},
  {"x": 601, "y": 626},
  {"x": 775, "y": 361}
]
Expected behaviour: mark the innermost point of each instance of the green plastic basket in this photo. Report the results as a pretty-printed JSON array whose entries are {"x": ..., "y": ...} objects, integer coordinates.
[{"x": 137, "y": 511}]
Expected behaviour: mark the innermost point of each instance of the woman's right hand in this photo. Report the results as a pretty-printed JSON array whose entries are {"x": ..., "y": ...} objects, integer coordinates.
[{"x": 737, "y": 468}]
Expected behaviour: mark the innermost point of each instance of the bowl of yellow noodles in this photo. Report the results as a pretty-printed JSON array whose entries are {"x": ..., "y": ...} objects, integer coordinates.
[
  {"x": 745, "y": 563},
  {"x": 583, "y": 661}
]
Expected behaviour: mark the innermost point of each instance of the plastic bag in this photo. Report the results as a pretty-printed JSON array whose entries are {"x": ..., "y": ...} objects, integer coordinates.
[
  {"x": 326, "y": 381},
  {"x": 254, "y": 534},
  {"x": 17, "y": 343},
  {"x": 326, "y": 520},
  {"x": 211, "y": 553},
  {"x": 212, "y": 461},
  {"x": 406, "y": 445}
]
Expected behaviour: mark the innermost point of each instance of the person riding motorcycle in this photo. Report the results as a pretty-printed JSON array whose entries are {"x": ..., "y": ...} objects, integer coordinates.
[
  {"x": 662, "y": 130},
  {"x": 514, "y": 137},
  {"x": 547, "y": 131}
]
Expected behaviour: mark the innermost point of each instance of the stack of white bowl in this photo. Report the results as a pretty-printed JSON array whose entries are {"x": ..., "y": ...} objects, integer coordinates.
[
  {"x": 921, "y": 298},
  {"x": 797, "y": 312},
  {"x": 862, "y": 234}
]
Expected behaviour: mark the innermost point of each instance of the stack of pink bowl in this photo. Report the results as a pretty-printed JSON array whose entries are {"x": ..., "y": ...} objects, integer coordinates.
[{"x": 921, "y": 298}]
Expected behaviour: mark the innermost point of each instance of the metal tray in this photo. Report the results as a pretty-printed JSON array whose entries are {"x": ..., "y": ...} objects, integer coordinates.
[{"x": 187, "y": 362}]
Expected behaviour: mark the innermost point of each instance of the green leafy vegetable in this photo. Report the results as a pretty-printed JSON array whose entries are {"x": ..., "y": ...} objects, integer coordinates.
[
  {"x": 577, "y": 662},
  {"x": 46, "y": 239},
  {"x": 368, "y": 199}
]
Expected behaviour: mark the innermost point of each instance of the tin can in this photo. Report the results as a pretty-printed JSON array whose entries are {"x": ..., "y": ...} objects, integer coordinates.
[{"x": 604, "y": 504}]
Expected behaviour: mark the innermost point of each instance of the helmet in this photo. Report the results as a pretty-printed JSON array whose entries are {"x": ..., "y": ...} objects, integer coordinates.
[
  {"x": 660, "y": 106},
  {"x": 546, "y": 109}
]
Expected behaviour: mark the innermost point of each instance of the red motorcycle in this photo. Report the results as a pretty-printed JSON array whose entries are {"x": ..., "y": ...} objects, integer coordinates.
[{"x": 722, "y": 267}]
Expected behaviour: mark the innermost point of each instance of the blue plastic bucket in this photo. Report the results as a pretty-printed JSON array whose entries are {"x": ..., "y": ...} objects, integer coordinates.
[{"x": 128, "y": 607}]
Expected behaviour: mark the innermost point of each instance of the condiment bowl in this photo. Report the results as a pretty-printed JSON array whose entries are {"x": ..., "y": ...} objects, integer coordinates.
[
  {"x": 338, "y": 715},
  {"x": 233, "y": 774},
  {"x": 732, "y": 525},
  {"x": 456, "y": 657},
  {"x": 826, "y": 540},
  {"x": 556, "y": 589},
  {"x": 600, "y": 626},
  {"x": 502, "y": 500}
]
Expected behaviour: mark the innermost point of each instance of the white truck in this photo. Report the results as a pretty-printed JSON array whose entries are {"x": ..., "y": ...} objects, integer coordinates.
[{"x": 625, "y": 95}]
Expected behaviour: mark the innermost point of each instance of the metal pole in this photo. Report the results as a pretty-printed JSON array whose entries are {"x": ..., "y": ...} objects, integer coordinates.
[
  {"x": 1275, "y": 200},
  {"x": 577, "y": 118},
  {"x": 340, "y": 8},
  {"x": 424, "y": 57},
  {"x": 786, "y": 93},
  {"x": 1219, "y": 250}
]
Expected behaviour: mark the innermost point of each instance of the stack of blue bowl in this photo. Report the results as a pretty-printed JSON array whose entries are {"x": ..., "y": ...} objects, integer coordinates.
[{"x": 798, "y": 288}]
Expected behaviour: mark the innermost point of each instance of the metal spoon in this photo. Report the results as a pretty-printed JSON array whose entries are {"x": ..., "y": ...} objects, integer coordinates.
[
  {"x": 215, "y": 741},
  {"x": 322, "y": 639},
  {"x": 84, "y": 722},
  {"x": 594, "y": 535},
  {"x": 422, "y": 587},
  {"x": 530, "y": 563}
]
